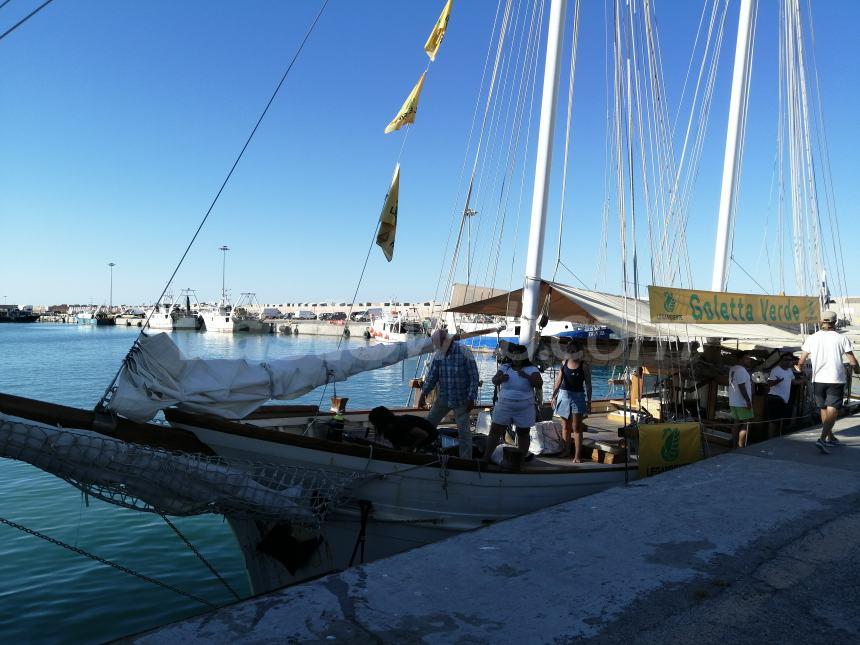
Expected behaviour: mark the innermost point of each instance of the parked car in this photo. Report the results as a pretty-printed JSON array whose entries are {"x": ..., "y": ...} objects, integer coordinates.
[
  {"x": 360, "y": 316},
  {"x": 338, "y": 315},
  {"x": 326, "y": 315},
  {"x": 303, "y": 314}
]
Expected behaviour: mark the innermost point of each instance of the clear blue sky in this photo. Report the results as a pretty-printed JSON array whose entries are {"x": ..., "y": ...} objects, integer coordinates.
[{"x": 119, "y": 120}]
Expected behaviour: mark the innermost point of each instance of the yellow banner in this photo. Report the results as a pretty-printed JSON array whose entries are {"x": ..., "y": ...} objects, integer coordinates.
[
  {"x": 693, "y": 306},
  {"x": 388, "y": 217},
  {"x": 408, "y": 109},
  {"x": 663, "y": 446},
  {"x": 434, "y": 40}
]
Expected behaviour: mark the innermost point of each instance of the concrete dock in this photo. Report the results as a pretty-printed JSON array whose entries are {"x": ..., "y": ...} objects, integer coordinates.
[{"x": 758, "y": 545}]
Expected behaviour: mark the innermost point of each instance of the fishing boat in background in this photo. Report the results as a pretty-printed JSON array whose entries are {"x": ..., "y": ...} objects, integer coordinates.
[
  {"x": 14, "y": 314},
  {"x": 175, "y": 314},
  {"x": 396, "y": 326}
]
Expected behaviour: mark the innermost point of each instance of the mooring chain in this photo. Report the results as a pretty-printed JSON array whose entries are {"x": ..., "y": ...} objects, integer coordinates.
[
  {"x": 200, "y": 556},
  {"x": 101, "y": 560}
]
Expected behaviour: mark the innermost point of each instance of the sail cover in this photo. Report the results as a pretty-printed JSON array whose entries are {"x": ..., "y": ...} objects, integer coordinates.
[
  {"x": 626, "y": 317},
  {"x": 156, "y": 375}
]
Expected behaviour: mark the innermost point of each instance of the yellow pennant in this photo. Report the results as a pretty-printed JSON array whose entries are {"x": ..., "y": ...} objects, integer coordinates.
[
  {"x": 409, "y": 108},
  {"x": 434, "y": 40},
  {"x": 388, "y": 217}
]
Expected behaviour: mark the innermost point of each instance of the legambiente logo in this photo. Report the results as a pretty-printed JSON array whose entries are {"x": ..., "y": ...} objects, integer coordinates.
[{"x": 669, "y": 302}]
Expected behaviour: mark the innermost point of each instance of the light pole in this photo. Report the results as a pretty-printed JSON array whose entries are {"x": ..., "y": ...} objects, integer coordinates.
[
  {"x": 224, "y": 250},
  {"x": 110, "y": 301}
]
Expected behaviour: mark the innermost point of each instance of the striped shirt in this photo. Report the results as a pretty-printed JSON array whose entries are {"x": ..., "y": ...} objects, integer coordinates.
[{"x": 454, "y": 375}]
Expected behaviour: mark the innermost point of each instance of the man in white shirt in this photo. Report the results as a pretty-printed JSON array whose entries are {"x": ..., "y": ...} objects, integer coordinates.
[
  {"x": 827, "y": 349},
  {"x": 779, "y": 381},
  {"x": 740, "y": 398}
]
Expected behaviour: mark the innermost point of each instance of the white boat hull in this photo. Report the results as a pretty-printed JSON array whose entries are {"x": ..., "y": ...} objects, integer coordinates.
[
  {"x": 218, "y": 322},
  {"x": 411, "y": 505}
]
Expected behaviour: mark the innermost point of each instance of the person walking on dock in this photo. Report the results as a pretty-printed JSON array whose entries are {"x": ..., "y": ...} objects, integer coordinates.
[
  {"x": 828, "y": 350},
  {"x": 454, "y": 373}
]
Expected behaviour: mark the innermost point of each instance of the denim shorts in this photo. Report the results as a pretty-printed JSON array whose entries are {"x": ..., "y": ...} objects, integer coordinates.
[
  {"x": 568, "y": 403},
  {"x": 514, "y": 413}
]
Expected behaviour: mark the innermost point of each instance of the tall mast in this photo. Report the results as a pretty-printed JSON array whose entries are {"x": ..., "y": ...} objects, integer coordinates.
[
  {"x": 732, "y": 158},
  {"x": 543, "y": 166}
]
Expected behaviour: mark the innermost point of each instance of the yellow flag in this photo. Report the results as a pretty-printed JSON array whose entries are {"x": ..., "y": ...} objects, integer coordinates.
[
  {"x": 409, "y": 108},
  {"x": 434, "y": 40},
  {"x": 388, "y": 217}
]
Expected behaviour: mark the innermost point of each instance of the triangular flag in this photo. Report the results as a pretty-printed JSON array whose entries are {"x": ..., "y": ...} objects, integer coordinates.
[
  {"x": 409, "y": 108},
  {"x": 434, "y": 40},
  {"x": 388, "y": 217}
]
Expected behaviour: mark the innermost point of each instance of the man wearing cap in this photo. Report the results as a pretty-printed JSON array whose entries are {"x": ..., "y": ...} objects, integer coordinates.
[
  {"x": 828, "y": 349},
  {"x": 454, "y": 373}
]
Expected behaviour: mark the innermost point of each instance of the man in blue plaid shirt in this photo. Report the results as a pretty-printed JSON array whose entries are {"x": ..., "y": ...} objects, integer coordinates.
[{"x": 454, "y": 373}]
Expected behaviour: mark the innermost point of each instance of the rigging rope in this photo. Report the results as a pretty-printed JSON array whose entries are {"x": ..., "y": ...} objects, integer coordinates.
[
  {"x": 106, "y": 395},
  {"x": 24, "y": 19},
  {"x": 101, "y": 560}
]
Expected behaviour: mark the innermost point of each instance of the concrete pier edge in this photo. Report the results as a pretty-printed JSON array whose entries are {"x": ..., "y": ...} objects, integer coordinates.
[{"x": 758, "y": 545}]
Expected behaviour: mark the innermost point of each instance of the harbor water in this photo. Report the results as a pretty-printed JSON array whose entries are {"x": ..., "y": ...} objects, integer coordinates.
[{"x": 49, "y": 593}]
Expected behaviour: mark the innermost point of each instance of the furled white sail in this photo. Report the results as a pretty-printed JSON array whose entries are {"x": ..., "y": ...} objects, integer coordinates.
[{"x": 156, "y": 375}]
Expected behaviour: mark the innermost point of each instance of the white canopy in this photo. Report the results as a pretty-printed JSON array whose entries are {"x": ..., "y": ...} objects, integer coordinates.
[
  {"x": 628, "y": 317},
  {"x": 156, "y": 375}
]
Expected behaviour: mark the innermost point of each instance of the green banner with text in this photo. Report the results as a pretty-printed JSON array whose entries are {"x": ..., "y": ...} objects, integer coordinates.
[{"x": 670, "y": 305}]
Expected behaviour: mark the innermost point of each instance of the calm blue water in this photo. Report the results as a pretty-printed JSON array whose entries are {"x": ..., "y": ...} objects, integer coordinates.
[{"x": 50, "y": 594}]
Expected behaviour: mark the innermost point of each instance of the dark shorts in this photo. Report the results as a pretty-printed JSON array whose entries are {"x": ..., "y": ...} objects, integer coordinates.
[
  {"x": 776, "y": 408},
  {"x": 828, "y": 395}
]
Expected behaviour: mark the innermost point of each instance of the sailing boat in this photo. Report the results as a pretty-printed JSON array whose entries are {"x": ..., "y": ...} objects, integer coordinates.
[
  {"x": 395, "y": 500},
  {"x": 387, "y": 500}
]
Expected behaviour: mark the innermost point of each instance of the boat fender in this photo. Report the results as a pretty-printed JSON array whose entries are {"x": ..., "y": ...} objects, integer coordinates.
[
  {"x": 346, "y": 332},
  {"x": 366, "y": 334}
]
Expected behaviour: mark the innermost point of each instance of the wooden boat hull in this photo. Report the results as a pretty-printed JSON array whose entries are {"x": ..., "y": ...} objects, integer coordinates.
[{"x": 411, "y": 499}]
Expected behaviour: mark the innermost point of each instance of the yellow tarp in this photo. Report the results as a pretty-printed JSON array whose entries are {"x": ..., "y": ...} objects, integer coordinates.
[
  {"x": 663, "y": 446},
  {"x": 671, "y": 305}
]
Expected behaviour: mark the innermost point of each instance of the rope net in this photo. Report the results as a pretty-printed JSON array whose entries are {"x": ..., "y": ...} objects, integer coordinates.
[{"x": 154, "y": 480}]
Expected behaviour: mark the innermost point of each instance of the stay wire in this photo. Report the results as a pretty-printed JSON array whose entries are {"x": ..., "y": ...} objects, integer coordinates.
[
  {"x": 101, "y": 560},
  {"x": 27, "y": 17},
  {"x": 200, "y": 557},
  {"x": 104, "y": 398}
]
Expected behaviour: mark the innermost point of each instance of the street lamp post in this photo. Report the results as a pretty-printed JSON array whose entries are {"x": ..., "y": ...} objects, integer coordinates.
[
  {"x": 110, "y": 301},
  {"x": 223, "y": 250}
]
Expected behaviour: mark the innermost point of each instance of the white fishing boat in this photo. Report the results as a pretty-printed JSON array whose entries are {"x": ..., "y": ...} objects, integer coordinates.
[
  {"x": 175, "y": 314},
  {"x": 244, "y": 316},
  {"x": 396, "y": 326}
]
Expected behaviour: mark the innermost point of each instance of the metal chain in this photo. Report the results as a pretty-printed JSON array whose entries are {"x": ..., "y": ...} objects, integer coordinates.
[
  {"x": 101, "y": 560},
  {"x": 200, "y": 556}
]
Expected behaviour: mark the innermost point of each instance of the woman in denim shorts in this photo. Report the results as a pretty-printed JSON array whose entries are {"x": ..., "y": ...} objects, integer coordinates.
[{"x": 571, "y": 399}]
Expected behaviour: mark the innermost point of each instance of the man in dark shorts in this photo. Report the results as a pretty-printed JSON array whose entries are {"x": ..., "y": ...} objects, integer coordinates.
[
  {"x": 404, "y": 431},
  {"x": 827, "y": 350},
  {"x": 779, "y": 392}
]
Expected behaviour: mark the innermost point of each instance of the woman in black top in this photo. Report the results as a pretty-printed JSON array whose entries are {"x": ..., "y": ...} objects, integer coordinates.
[{"x": 571, "y": 399}]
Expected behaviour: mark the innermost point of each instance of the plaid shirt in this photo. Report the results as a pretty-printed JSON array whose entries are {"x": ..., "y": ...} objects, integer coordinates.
[{"x": 455, "y": 375}]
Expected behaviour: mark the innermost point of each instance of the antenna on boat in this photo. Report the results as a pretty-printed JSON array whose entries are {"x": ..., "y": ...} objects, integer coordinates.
[
  {"x": 543, "y": 166},
  {"x": 224, "y": 248}
]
